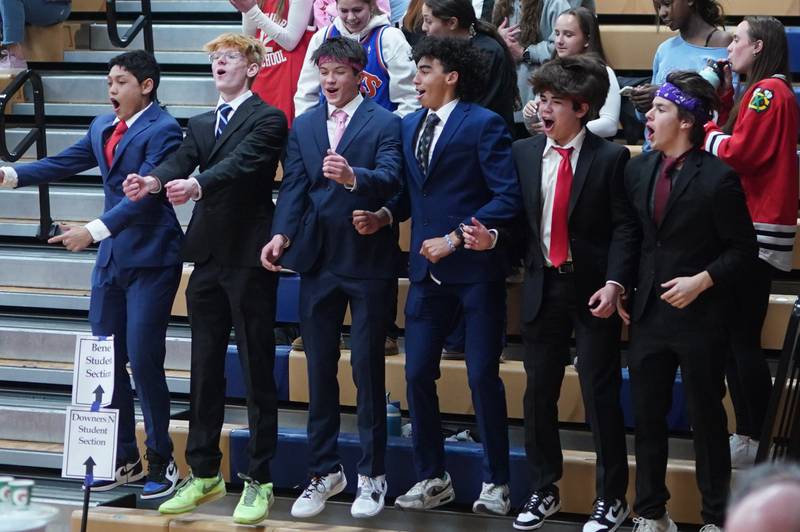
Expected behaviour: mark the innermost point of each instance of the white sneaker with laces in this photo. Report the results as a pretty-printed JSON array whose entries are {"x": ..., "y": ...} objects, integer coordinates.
[
  {"x": 743, "y": 451},
  {"x": 607, "y": 516},
  {"x": 312, "y": 501},
  {"x": 665, "y": 524},
  {"x": 494, "y": 500},
  {"x": 369, "y": 496},
  {"x": 711, "y": 528},
  {"x": 427, "y": 494}
]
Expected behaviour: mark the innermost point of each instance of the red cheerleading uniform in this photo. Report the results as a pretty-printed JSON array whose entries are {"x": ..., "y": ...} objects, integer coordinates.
[
  {"x": 276, "y": 82},
  {"x": 762, "y": 149}
]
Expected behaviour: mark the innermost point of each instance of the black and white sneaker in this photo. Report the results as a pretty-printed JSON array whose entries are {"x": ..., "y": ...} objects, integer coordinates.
[
  {"x": 539, "y": 506},
  {"x": 607, "y": 516},
  {"x": 427, "y": 494},
  {"x": 125, "y": 473},
  {"x": 162, "y": 476}
]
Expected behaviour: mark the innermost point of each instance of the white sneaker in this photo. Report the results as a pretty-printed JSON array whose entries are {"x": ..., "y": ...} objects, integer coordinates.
[
  {"x": 743, "y": 451},
  {"x": 711, "y": 528},
  {"x": 607, "y": 516},
  {"x": 493, "y": 500},
  {"x": 427, "y": 494},
  {"x": 665, "y": 524},
  {"x": 369, "y": 496},
  {"x": 312, "y": 501}
]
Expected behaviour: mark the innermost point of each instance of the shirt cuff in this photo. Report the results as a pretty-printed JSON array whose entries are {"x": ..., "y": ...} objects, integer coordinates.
[
  {"x": 11, "y": 179},
  {"x": 198, "y": 194},
  {"x": 388, "y": 213},
  {"x": 495, "y": 237},
  {"x": 616, "y": 283},
  {"x": 98, "y": 230},
  {"x": 286, "y": 241},
  {"x": 351, "y": 188}
]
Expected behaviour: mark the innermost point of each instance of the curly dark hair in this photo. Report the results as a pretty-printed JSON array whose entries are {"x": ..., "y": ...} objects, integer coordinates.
[
  {"x": 456, "y": 55},
  {"x": 691, "y": 84},
  {"x": 582, "y": 78}
]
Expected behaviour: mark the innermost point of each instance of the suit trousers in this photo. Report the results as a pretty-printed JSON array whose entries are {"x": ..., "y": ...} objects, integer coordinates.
[
  {"x": 659, "y": 345},
  {"x": 546, "y": 340},
  {"x": 323, "y": 300},
  {"x": 429, "y": 314},
  {"x": 749, "y": 379},
  {"x": 134, "y": 305},
  {"x": 220, "y": 297}
]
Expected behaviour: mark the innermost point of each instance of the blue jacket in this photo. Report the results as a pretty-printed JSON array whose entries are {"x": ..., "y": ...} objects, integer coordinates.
[
  {"x": 145, "y": 233},
  {"x": 315, "y": 213},
  {"x": 471, "y": 173}
]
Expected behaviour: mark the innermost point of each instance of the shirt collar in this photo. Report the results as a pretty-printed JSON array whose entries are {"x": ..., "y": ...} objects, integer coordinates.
[
  {"x": 444, "y": 111},
  {"x": 129, "y": 122},
  {"x": 576, "y": 143},
  {"x": 350, "y": 108},
  {"x": 236, "y": 102}
]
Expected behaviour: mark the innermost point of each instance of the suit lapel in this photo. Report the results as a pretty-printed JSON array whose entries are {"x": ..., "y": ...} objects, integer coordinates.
[
  {"x": 646, "y": 185},
  {"x": 533, "y": 178},
  {"x": 691, "y": 167},
  {"x": 99, "y": 144},
  {"x": 585, "y": 159},
  {"x": 141, "y": 124},
  {"x": 239, "y": 118},
  {"x": 361, "y": 118},
  {"x": 412, "y": 124},
  {"x": 319, "y": 125},
  {"x": 450, "y": 127}
]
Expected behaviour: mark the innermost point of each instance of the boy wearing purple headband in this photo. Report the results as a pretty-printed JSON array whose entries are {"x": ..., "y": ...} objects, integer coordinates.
[
  {"x": 696, "y": 236},
  {"x": 343, "y": 158}
]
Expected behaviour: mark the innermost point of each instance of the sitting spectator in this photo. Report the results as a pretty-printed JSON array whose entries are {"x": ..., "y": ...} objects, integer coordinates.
[
  {"x": 325, "y": 11},
  {"x": 15, "y": 14},
  {"x": 766, "y": 499},
  {"x": 283, "y": 28},
  {"x": 577, "y": 32}
]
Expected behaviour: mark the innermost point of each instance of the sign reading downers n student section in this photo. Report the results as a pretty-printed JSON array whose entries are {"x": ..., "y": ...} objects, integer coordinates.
[
  {"x": 89, "y": 434},
  {"x": 93, "y": 373}
]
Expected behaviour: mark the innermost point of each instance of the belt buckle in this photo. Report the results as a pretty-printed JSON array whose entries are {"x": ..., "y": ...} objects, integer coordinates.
[{"x": 567, "y": 267}]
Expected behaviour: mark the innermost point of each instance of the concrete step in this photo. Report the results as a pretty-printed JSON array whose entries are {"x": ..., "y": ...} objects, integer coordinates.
[
  {"x": 67, "y": 203},
  {"x": 57, "y": 139},
  {"x": 177, "y": 6},
  {"x": 166, "y": 37},
  {"x": 102, "y": 57},
  {"x": 59, "y": 88}
]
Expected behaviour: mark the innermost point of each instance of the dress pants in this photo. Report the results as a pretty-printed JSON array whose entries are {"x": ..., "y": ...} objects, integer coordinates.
[
  {"x": 134, "y": 305},
  {"x": 429, "y": 313},
  {"x": 749, "y": 379},
  {"x": 664, "y": 339},
  {"x": 546, "y": 340},
  {"x": 324, "y": 296},
  {"x": 220, "y": 297}
]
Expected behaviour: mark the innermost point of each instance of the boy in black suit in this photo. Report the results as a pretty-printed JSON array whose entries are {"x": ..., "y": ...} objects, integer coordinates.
[
  {"x": 580, "y": 232},
  {"x": 696, "y": 236},
  {"x": 236, "y": 148}
]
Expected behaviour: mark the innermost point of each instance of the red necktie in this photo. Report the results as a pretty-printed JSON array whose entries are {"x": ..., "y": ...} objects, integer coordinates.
[
  {"x": 664, "y": 186},
  {"x": 559, "y": 246},
  {"x": 113, "y": 140}
]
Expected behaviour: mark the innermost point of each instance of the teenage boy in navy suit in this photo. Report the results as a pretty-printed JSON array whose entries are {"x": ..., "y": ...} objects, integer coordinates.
[
  {"x": 138, "y": 265},
  {"x": 349, "y": 161}
]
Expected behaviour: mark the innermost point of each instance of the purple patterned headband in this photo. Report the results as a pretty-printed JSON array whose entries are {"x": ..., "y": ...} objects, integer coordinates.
[{"x": 670, "y": 92}]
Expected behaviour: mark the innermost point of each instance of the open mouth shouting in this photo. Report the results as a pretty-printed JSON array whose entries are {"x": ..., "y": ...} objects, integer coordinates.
[{"x": 115, "y": 104}]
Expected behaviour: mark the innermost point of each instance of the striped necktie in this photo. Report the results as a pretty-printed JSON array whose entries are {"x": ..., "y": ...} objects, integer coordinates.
[{"x": 223, "y": 111}]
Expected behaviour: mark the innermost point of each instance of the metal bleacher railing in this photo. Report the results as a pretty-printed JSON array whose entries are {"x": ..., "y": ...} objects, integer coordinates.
[
  {"x": 36, "y": 135},
  {"x": 780, "y": 439},
  {"x": 143, "y": 23}
]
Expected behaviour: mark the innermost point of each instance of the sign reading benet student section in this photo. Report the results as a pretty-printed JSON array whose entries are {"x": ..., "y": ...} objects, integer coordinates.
[
  {"x": 93, "y": 374},
  {"x": 90, "y": 443}
]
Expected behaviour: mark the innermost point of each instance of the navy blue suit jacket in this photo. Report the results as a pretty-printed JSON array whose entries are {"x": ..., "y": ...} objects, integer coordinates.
[
  {"x": 315, "y": 213},
  {"x": 471, "y": 173},
  {"x": 144, "y": 233}
]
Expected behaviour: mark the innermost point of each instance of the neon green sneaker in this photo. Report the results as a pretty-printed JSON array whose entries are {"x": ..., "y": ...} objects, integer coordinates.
[
  {"x": 192, "y": 492},
  {"x": 254, "y": 503}
]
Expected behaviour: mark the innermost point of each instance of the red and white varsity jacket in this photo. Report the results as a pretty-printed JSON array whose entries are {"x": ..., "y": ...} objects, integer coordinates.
[{"x": 762, "y": 149}]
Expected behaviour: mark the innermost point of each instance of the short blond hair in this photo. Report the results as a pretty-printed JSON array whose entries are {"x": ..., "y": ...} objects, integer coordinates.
[{"x": 252, "y": 49}]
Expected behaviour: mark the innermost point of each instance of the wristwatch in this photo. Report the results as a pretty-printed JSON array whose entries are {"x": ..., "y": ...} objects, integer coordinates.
[{"x": 459, "y": 231}]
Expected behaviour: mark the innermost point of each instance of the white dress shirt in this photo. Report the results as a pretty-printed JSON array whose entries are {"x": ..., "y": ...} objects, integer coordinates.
[
  {"x": 443, "y": 113},
  {"x": 96, "y": 227},
  {"x": 551, "y": 159}
]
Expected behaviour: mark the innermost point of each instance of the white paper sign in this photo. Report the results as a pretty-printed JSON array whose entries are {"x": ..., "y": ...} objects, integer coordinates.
[
  {"x": 90, "y": 438},
  {"x": 93, "y": 374}
]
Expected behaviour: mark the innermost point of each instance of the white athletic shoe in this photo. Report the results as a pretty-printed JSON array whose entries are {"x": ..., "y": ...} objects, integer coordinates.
[
  {"x": 427, "y": 494},
  {"x": 312, "y": 501},
  {"x": 743, "y": 451},
  {"x": 665, "y": 524},
  {"x": 369, "y": 496},
  {"x": 494, "y": 500}
]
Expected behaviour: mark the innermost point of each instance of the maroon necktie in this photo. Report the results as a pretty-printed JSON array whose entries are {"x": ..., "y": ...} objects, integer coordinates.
[
  {"x": 113, "y": 140},
  {"x": 558, "y": 223},
  {"x": 664, "y": 186}
]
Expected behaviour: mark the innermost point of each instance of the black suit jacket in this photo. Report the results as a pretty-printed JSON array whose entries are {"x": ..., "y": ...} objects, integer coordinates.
[
  {"x": 706, "y": 226},
  {"x": 232, "y": 220},
  {"x": 602, "y": 227}
]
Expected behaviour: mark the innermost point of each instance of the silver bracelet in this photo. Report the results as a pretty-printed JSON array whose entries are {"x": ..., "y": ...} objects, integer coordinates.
[{"x": 449, "y": 242}]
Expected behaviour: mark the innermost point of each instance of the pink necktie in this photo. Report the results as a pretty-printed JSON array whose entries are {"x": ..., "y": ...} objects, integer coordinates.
[{"x": 341, "y": 119}]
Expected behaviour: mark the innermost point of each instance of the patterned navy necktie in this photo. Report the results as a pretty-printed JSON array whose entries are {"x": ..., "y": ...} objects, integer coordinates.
[
  {"x": 223, "y": 111},
  {"x": 424, "y": 145}
]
